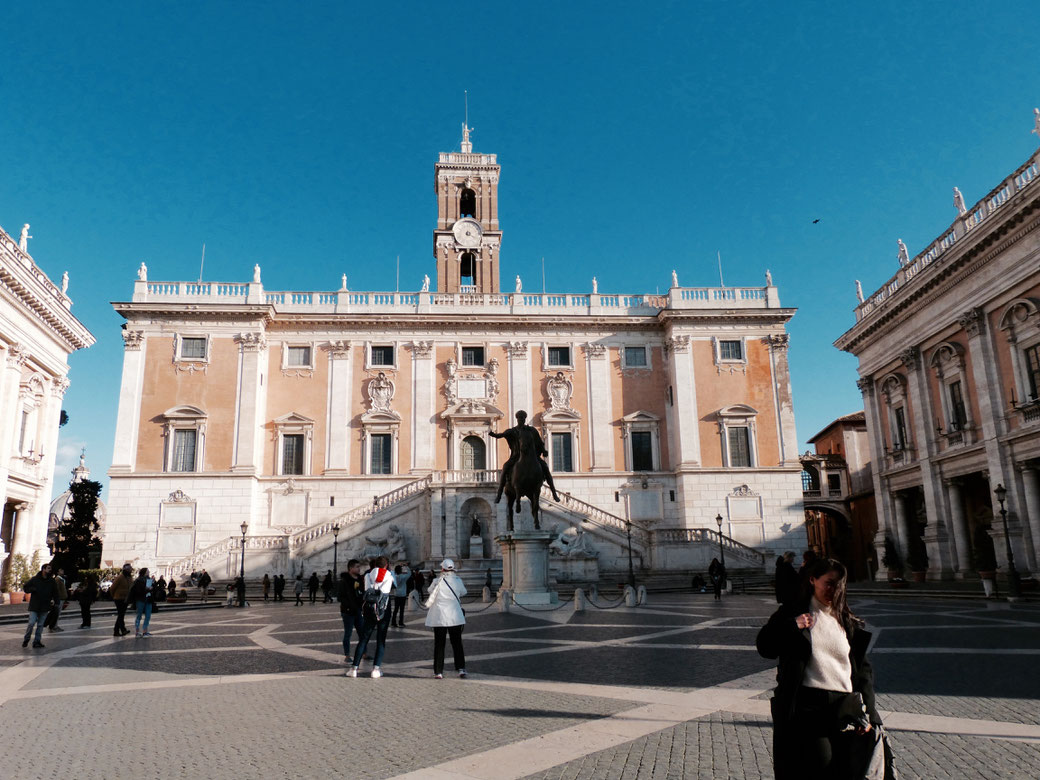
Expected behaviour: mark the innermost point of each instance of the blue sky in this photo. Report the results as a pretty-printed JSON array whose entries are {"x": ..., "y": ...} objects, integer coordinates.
[{"x": 633, "y": 139}]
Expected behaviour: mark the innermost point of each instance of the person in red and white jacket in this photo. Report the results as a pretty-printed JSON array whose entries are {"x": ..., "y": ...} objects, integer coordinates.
[{"x": 379, "y": 582}]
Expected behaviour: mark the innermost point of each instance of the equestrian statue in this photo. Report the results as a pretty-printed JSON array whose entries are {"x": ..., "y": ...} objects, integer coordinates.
[{"x": 525, "y": 471}]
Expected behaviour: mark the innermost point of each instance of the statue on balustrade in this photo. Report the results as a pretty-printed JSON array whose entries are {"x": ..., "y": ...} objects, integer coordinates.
[
  {"x": 23, "y": 240},
  {"x": 142, "y": 273},
  {"x": 904, "y": 255},
  {"x": 958, "y": 201},
  {"x": 525, "y": 470}
]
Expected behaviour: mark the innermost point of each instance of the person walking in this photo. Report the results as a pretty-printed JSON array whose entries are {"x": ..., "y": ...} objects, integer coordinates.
[
  {"x": 376, "y": 615},
  {"x": 447, "y": 618},
  {"x": 142, "y": 594},
  {"x": 717, "y": 575},
  {"x": 787, "y": 583},
  {"x": 120, "y": 593},
  {"x": 326, "y": 587},
  {"x": 824, "y": 698},
  {"x": 351, "y": 588},
  {"x": 204, "y": 581},
  {"x": 279, "y": 587},
  {"x": 298, "y": 589},
  {"x": 86, "y": 594},
  {"x": 63, "y": 601},
  {"x": 312, "y": 586},
  {"x": 43, "y": 592},
  {"x": 266, "y": 585},
  {"x": 401, "y": 579}
]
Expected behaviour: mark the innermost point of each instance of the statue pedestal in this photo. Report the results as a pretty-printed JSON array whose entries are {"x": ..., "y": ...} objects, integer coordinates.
[
  {"x": 525, "y": 566},
  {"x": 476, "y": 547}
]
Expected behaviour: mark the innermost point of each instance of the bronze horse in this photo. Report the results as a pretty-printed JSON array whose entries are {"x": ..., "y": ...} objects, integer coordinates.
[{"x": 526, "y": 479}]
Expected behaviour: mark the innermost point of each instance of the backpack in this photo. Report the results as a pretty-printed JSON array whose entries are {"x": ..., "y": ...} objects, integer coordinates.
[{"x": 374, "y": 601}]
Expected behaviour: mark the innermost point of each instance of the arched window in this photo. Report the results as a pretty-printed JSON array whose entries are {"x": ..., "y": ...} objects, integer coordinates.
[
  {"x": 467, "y": 203},
  {"x": 810, "y": 479},
  {"x": 474, "y": 454},
  {"x": 467, "y": 269}
]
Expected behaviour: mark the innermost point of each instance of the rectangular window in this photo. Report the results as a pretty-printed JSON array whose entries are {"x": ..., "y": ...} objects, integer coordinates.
[
  {"x": 292, "y": 453},
  {"x": 899, "y": 433},
  {"x": 559, "y": 356},
  {"x": 731, "y": 350},
  {"x": 183, "y": 450},
  {"x": 562, "y": 455},
  {"x": 473, "y": 356},
  {"x": 381, "y": 453},
  {"x": 383, "y": 356},
  {"x": 834, "y": 483},
  {"x": 642, "y": 451},
  {"x": 193, "y": 348},
  {"x": 299, "y": 356},
  {"x": 635, "y": 357},
  {"x": 958, "y": 414},
  {"x": 1033, "y": 371},
  {"x": 739, "y": 447}
]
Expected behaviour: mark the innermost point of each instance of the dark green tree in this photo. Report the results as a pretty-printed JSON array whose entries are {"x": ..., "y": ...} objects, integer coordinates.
[{"x": 75, "y": 534}]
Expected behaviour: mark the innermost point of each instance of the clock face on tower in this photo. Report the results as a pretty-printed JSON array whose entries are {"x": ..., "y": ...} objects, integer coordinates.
[{"x": 467, "y": 232}]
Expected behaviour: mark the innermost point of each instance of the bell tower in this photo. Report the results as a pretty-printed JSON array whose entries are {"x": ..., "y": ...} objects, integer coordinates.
[{"x": 467, "y": 240}]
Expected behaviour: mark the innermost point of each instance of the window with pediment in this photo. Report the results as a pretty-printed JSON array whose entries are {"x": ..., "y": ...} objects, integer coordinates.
[
  {"x": 948, "y": 364},
  {"x": 184, "y": 434},
  {"x": 642, "y": 434},
  {"x": 294, "y": 434},
  {"x": 738, "y": 434},
  {"x": 1020, "y": 322}
]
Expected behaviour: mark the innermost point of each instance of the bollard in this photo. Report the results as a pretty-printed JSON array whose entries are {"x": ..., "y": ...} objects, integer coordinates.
[
  {"x": 485, "y": 595},
  {"x": 630, "y": 596},
  {"x": 416, "y": 600},
  {"x": 579, "y": 600},
  {"x": 593, "y": 591},
  {"x": 504, "y": 597},
  {"x": 641, "y": 594}
]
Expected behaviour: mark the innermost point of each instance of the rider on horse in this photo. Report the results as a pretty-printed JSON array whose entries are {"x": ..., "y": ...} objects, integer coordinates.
[{"x": 513, "y": 437}]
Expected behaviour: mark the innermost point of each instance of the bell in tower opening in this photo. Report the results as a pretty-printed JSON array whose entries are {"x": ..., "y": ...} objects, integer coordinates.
[{"x": 467, "y": 238}]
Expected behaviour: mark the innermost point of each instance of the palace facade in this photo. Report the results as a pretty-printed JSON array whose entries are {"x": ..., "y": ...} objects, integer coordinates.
[
  {"x": 949, "y": 364},
  {"x": 299, "y": 426},
  {"x": 38, "y": 332}
]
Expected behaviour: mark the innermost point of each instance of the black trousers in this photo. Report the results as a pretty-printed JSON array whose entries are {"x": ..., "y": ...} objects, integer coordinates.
[
  {"x": 455, "y": 634},
  {"x": 810, "y": 747},
  {"x": 84, "y": 612},
  {"x": 120, "y": 625},
  {"x": 397, "y": 616}
]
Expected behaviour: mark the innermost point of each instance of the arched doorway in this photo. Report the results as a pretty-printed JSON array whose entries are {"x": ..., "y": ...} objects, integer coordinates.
[
  {"x": 479, "y": 510},
  {"x": 473, "y": 453}
]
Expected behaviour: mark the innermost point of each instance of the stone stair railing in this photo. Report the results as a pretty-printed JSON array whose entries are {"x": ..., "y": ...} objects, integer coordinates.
[
  {"x": 710, "y": 537},
  {"x": 595, "y": 516},
  {"x": 360, "y": 513}
]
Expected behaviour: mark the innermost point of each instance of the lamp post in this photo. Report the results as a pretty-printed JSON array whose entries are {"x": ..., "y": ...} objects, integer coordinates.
[
  {"x": 722, "y": 550},
  {"x": 335, "y": 544},
  {"x": 1013, "y": 590},
  {"x": 631, "y": 571},
  {"x": 242, "y": 568}
]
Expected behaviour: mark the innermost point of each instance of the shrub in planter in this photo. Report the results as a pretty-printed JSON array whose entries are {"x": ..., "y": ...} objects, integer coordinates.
[{"x": 891, "y": 559}]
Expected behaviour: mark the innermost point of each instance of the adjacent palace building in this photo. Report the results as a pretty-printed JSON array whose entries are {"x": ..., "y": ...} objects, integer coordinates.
[
  {"x": 301, "y": 425},
  {"x": 949, "y": 363}
]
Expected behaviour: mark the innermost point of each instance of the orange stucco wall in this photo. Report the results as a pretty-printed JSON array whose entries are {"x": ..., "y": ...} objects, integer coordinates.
[{"x": 296, "y": 392}]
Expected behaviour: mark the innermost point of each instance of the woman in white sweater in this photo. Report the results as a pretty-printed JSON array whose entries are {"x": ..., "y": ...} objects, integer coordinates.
[{"x": 447, "y": 618}]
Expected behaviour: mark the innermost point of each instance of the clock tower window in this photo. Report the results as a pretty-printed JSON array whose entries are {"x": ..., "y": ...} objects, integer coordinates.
[
  {"x": 467, "y": 203},
  {"x": 467, "y": 269}
]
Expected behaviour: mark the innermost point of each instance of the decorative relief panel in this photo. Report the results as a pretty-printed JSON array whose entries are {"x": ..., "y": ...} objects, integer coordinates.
[
  {"x": 472, "y": 390},
  {"x": 380, "y": 393}
]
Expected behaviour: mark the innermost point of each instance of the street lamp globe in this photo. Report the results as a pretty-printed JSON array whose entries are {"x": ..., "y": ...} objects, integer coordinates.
[
  {"x": 1001, "y": 492},
  {"x": 718, "y": 519}
]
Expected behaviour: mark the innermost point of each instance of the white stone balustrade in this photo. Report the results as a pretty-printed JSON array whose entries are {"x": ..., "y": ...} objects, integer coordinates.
[
  {"x": 984, "y": 209},
  {"x": 710, "y": 537}
]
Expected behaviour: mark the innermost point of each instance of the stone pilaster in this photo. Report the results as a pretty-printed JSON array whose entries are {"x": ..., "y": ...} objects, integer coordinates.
[
  {"x": 778, "y": 344},
  {"x": 685, "y": 435},
  {"x": 424, "y": 400},
  {"x": 337, "y": 456},
  {"x": 249, "y": 403},
  {"x": 519, "y": 378},
  {"x": 1031, "y": 489},
  {"x": 601, "y": 443},
  {"x": 959, "y": 525},
  {"x": 128, "y": 418}
]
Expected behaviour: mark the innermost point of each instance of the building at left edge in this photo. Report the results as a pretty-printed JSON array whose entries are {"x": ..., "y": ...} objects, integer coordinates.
[
  {"x": 38, "y": 332},
  {"x": 304, "y": 428}
]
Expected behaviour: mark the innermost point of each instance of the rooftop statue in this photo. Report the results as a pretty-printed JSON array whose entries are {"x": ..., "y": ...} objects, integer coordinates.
[
  {"x": 256, "y": 274},
  {"x": 425, "y": 283},
  {"x": 595, "y": 286},
  {"x": 958, "y": 201},
  {"x": 675, "y": 279},
  {"x": 904, "y": 256},
  {"x": 23, "y": 240},
  {"x": 343, "y": 282},
  {"x": 1036, "y": 122},
  {"x": 142, "y": 273},
  {"x": 64, "y": 282},
  {"x": 859, "y": 291},
  {"x": 769, "y": 278},
  {"x": 519, "y": 284}
]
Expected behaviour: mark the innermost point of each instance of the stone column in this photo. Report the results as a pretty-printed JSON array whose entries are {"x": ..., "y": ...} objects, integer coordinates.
[
  {"x": 875, "y": 437},
  {"x": 685, "y": 435},
  {"x": 10, "y": 380},
  {"x": 959, "y": 523},
  {"x": 601, "y": 442},
  {"x": 778, "y": 343},
  {"x": 128, "y": 419},
  {"x": 1031, "y": 483},
  {"x": 337, "y": 458},
  {"x": 902, "y": 517},
  {"x": 49, "y": 424},
  {"x": 21, "y": 541},
  {"x": 249, "y": 403},
  {"x": 424, "y": 399}
]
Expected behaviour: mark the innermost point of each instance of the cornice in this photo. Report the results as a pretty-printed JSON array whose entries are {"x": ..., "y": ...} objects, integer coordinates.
[{"x": 46, "y": 302}]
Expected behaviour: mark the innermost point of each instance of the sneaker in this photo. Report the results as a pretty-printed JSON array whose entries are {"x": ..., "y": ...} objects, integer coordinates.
[
  {"x": 137, "y": 634},
  {"x": 438, "y": 676},
  {"x": 25, "y": 643},
  {"x": 37, "y": 644},
  {"x": 377, "y": 672},
  {"x": 352, "y": 672},
  {"x": 462, "y": 674},
  {"x": 147, "y": 633}
]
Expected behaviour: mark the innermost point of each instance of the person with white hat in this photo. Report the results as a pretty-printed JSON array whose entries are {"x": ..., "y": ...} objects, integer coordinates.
[{"x": 447, "y": 617}]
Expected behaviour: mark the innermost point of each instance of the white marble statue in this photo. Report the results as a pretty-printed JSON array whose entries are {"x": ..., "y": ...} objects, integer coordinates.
[
  {"x": 769, "y": 278},
  {"x": 595, "y": 286},
  {"x": 425, "y": 283},
  {"x": 23, "y": 240},
  {"x": 519, "y": 284},
  {"x": 958, "y": 201},
  {"x": 64, "y": 282},
  {"x": 393, "y": 545},
  {"x": 904, "y": 255},
  {"x": 675, "y": 278},
  {"x": 859, "y": 291},
  {"x": 1036, "y": 122},
  {"x": 256, "y": 274},
  {"x": 569, "y": 542},
  {"x": 343, "y": 282},
  {"x": 142, "y": 273}
]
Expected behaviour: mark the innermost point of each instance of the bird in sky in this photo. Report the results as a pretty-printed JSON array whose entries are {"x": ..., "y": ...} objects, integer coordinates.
[{"x": 815, "y": 221}]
